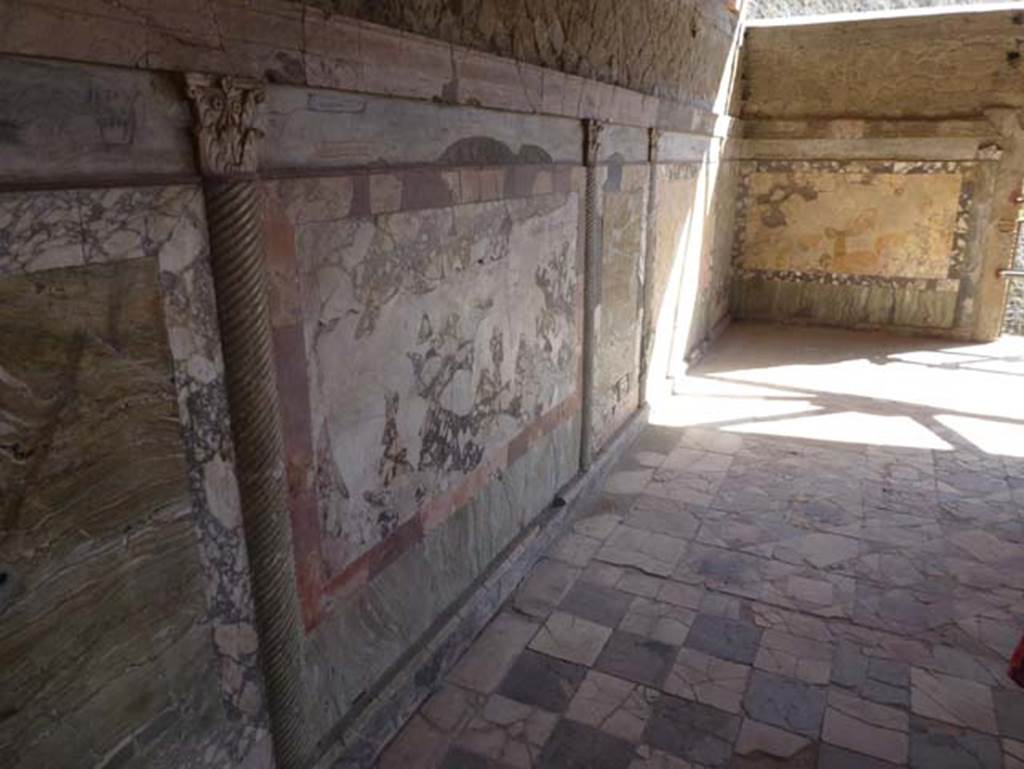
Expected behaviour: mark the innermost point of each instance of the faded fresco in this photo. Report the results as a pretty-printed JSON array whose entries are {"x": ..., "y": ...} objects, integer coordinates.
[
  {"x": 889, "y": 225},
  {"x": 433, "y": 337}
]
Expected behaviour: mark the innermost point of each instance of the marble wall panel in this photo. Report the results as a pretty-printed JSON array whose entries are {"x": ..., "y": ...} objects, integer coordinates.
[
  {"x": 364, "y": 633},
  {"x": 674, "y": 147},
  {"x": 69, "y": 228},
  {"x": 67, "y": 121},
  {"x": 623, "y": 144},
  {"x": 848, "y": 305},
  {"x": 126, "y": 627},
  {"x": 433, "y": 338},
  {"x": 190, "y": 317},
  {"x": 617, "y": 333},
  {"x": 102, "y": 598},
  {"x": 309, "y": 128}
]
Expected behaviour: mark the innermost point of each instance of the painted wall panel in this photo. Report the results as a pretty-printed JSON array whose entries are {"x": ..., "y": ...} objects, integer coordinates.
[
  {"x": 894, "y": 225},
  {"x": 864, "y": 244}
]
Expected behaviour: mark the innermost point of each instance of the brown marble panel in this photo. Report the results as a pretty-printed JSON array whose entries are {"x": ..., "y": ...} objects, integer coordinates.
[{"x": 102, "y": 613}]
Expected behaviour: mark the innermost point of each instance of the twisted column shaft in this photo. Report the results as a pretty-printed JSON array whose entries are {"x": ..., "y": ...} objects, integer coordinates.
[{"x": 591, "y": 287}]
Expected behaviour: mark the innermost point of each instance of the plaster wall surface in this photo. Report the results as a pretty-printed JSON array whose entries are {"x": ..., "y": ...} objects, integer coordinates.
[{"x": 878, "y": 185}]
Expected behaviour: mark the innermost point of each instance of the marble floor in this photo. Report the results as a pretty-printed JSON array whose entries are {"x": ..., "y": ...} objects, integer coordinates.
[{"x": 812, "y": 557}]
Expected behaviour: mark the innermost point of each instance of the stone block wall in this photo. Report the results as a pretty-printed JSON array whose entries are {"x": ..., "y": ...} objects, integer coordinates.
[
  {"x": 783, "y": 9},
  {"x": 672, "y": 48},
  {"x": 879, "y": 167},
  {"x": 424, "y": 227}
]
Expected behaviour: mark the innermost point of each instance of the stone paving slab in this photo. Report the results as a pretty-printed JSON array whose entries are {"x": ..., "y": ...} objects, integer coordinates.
[{"x": 754, "y": 601}]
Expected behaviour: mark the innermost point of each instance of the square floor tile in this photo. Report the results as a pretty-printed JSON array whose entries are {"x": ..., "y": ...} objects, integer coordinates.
[
  {"x": 663, "y": 516},
  {"x": 612, "y": 705},
  {"x": 867, "y": 727},
  {"x": 770, "y": 746},
  {"x": 489, "y": 658},
  {"x": 727, "y": 639},
  {"x": 940, "y": 746},
  {"x": 457, "y": 758},
  {"x": 542, "y": 681},
  {"x": 570, "y": 638},
  {"x": 1013, "y": 754},
  {"x": 795, "y": 657},
  {"x": 575, "y": 549},
  {"x": 790, "y": 705},
  {"x": 1010, "y": 712},
  {"x": 578, "y": 746},
  {"x": 636, "y": 658},
  {"x": 697, "y": 733},
  {"x": 652, "y": 553},
  {"x": 545, "y": 587},
  {"x": 952, "y": 700},
  {"x": 658, "y": 620},
  {"x": 597, "y": 603},
  {"x": 702, "y": 678},
  {"x": 508, "y": 732},
  {"x": 832, "y": 757}
]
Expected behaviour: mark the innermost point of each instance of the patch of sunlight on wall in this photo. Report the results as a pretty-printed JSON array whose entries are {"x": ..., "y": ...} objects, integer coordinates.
[
  {"x": 991, "y": 436},
  {"x": 850, "y": 427},
  {"x": 676, "y": 314}
]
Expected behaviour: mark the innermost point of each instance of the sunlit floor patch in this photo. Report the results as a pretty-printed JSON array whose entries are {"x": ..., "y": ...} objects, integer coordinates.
[
  {"x": 850, "y": 427},
  {"x": 989, "y": 435}
]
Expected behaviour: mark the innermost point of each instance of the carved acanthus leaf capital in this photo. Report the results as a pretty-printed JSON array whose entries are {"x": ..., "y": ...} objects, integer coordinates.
[{"x": 225, "y": 111}]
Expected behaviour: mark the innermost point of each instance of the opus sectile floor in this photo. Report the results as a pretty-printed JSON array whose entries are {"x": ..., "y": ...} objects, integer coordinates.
[{"x": 811, "y": 558}]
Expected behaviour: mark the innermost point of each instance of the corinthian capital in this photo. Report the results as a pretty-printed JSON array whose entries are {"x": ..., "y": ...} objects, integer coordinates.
[{"x": 225, "y": 111}]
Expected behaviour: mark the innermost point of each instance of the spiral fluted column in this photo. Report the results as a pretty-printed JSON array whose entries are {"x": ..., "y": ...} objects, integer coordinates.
[
  {"x": 591, "y": 286},
  {"x": 225, "y": 111}
]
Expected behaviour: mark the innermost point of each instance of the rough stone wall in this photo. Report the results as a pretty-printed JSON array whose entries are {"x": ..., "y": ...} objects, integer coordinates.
[
  {"x": 874, "y": 156},
  {"x": 776, "y": 9},
  {"x": 674, "y": 48},
  {"x": 934, "y": 67}
]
